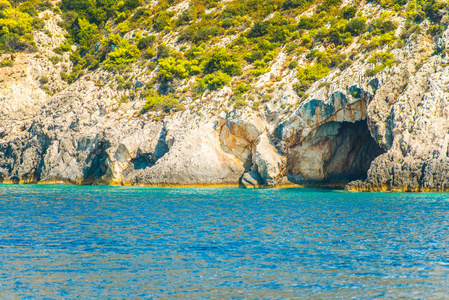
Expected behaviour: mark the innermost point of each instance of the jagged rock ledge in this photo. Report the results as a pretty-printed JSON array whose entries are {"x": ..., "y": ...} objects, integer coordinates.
[
  {"x": 78, "y": 140},
  {"x": 384, "y": 133}
]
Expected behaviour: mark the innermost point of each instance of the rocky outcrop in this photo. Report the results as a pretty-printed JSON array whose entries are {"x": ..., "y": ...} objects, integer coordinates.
[
  {"x": 384, "y": 132},
  {"x": 29, "y": 84},
  {"x": 194, "y": 159},
  {"x": 412, "y": 125},
  {"x": 415, "y": 134},
  {"x": 81, "y": 137}
]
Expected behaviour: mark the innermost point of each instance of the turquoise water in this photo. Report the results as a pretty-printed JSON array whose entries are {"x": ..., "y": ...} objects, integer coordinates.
[{"x": 64, "y": 242}]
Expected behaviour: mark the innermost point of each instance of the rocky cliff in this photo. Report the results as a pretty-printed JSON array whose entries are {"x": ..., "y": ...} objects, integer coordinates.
[{"x": 387, "y": 131}]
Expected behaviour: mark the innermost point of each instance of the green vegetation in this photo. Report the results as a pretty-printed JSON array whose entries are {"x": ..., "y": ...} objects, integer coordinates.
[
  {"x": 164, "y": 103},
  {"x": 6, "y": 63},
  {"x": 43, "y": 80},
  {"x": 258, "y": 41},
  {"x": 381, "y": 60},
  {"x": 309, "y": 75},
  {"x": 122, "y": 56},
  {"x": 212, "y": 44},
  {"x": 213, "y": 81},
  {"x": 17, "y": 21}
]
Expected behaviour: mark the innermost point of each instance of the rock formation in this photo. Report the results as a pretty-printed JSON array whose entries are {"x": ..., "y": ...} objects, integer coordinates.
[{"x": 387, "y": 132}]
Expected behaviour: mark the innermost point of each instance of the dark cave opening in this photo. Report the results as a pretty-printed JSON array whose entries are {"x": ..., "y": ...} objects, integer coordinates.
[{"x": 335, "y": 154}]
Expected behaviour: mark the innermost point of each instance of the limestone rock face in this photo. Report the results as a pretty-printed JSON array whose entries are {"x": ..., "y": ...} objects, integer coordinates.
[
  {"x": 268, "y": 162},
  {"x": 82, "y": 136},
  {"x": 384, "y": 132},
  {"x": 73, "y": 140},
  {"x": 334, "y": 154},
  {"x": 413, "y": 127},
  {"x": 251, "y": 180},
  {"x": 195, "y": 159},
  {"x": 21, "y": 93}
]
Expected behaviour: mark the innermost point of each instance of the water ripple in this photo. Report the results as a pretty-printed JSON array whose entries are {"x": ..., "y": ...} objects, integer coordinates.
[{"x": 69, "y": 242}]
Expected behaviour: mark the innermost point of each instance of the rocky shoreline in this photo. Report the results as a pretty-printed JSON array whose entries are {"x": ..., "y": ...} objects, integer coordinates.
[{"x": 387, "y": 132}]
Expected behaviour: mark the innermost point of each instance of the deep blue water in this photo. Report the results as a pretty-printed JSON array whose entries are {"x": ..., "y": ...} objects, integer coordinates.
[{"x": 63, "y": 242}]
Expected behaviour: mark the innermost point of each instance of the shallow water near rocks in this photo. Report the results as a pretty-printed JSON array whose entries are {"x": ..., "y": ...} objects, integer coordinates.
[{"x": 149, "y": 243}]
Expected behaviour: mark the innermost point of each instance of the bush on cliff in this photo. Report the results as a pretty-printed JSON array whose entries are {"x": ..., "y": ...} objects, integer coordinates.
[
  {"x": 309, "y": 75},
  {"x": 380, "y": 61},
  {"x": 165, "y": 103},
  {"x": 16, "y": 26},
  {"x": 212, "y": 82},
  {"x": 122, "y": 57}
]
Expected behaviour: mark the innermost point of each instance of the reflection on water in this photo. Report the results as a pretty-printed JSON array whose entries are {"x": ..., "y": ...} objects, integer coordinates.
[{"x": 101, "y": 242}]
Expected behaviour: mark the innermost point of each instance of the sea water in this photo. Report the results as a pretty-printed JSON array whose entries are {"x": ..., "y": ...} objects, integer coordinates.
[{"x": 65, "y": 242}]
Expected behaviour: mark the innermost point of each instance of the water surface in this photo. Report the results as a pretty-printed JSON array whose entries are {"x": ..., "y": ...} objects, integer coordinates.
[{"x": 64, "y": 242}]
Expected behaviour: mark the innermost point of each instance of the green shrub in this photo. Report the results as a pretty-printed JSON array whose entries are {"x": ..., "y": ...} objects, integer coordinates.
[
  {"x": 382, "y": 25},
  {"x": 14, "y": 21},
  {"x": 213, "y": 81},
  {"x": 290, "y": 47},
  {"x": 259, "y": 64},
  {"x": 384, "y": 58},
  {"x": 64, "y": 47},
  {"x": 348, "y": 12},
  {"x": 163, "y": 51},
  {"x": 239, "y": 103},
  {"x": 310, "y": 74},
  {"x": 87, "y": 35},
  {"x": 267, "y": 98},
  {"x": 149, "y": 53},
  {"x": 7, "y": 63},
  {"x": 217, "y": 80},
  {"x": 43, "y": 80},
  {"x": 253, "y": 56},
  {"x": 312, "y": 22},
  {"x": 259, "y": 71},
  {"x": 322, "y": 34},
  {"x": 290, "y": 4},
  {"x": 356, "y": 26},
  {"x": 293, "y": 64},
  {"x": 205, "y": 33},
  {"x": 55, "y": 60},
  {"x": 242, "y": 88},
  {"x": 146, "y": 42},
  {"x": 123, "y": 27},
  {"x": 120, "y": 80},
  {"x": 16, "y": 26},
  {"x": 170, "y": 68},
  {"x": 433, "y": 9},
  {"x": 345, "y": 64},
  {"x": 417, "y": 11},
  {"x": 410, "y": 30},
  {"x": 329, "y": 5},
  {"x": 378, "y": 41},
  {"x": 165, "y": 103},
  {"x": 220, "y": 60},
  {"x": 337, "y": 32},
  {"x": 381, "y": 60},
  {"x": 227, "y": 23},
  {"x": 64, "y": 76},
  {"x": 161, "y": 20},
  {"x": 128, "y": 85},
  {"x": 269, "y": 56},
  {"x": 436, "y": 29},
  {"x": 260, "y": 29},
  {"x": 122, "y": 56}
]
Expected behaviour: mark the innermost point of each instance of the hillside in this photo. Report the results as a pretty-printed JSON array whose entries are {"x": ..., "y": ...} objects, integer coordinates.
[{"x": 256, "y": 93}]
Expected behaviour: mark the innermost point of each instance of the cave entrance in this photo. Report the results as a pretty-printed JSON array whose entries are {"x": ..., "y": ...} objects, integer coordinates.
[{"x": 334, "y": 154}]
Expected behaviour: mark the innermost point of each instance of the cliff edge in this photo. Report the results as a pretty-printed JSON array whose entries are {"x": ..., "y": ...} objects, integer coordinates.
[{"x": 377, "y": 123}]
